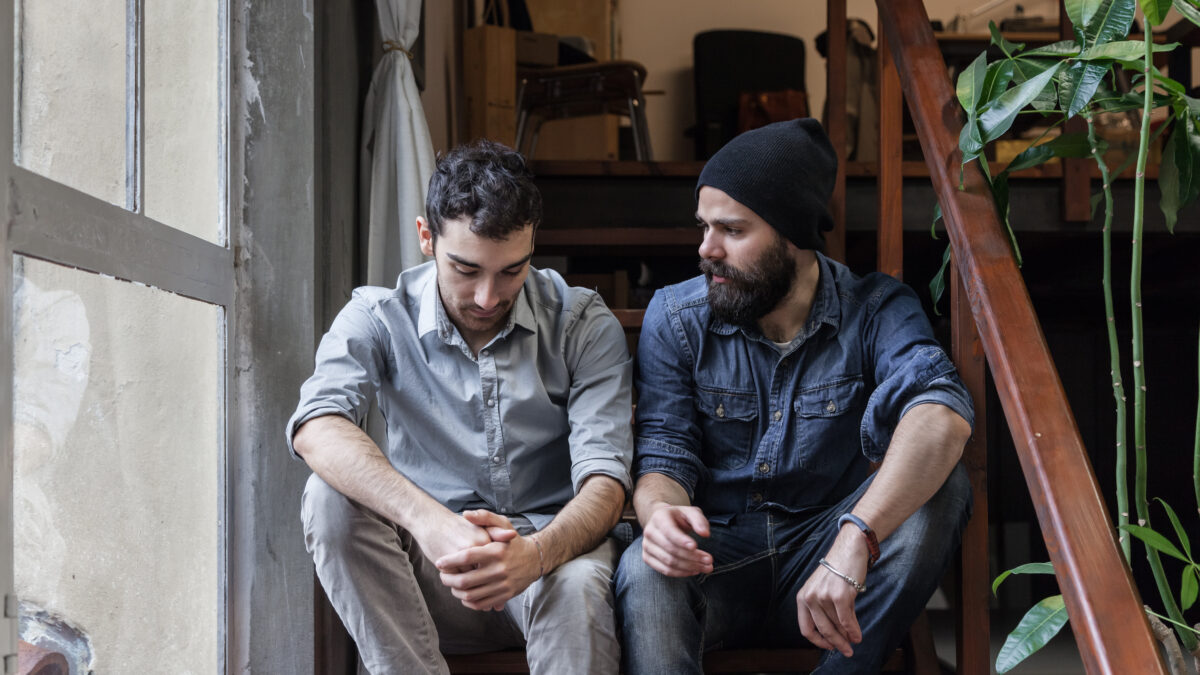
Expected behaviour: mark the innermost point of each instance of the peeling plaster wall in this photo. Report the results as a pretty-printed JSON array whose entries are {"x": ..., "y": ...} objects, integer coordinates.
[
  {"x": 116, "y": 466},
  {"x": 272, "y": 223}
]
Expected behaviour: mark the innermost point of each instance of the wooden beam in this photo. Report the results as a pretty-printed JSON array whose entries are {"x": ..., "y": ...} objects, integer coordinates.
[
  {"x": 890, "y": 256},
  {"x": 835, "y": 103},
  {"x": 1110, "y": 627},
  {"x": 972, "y": 628}
]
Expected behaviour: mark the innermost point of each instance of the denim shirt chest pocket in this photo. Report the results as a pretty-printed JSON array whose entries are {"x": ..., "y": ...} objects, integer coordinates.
[
  {"x": 827, "y": 411},
  {"x": 729, "y": 425}
]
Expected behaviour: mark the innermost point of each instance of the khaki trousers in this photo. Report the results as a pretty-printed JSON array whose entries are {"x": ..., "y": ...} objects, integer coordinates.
[{"x": 402, "y": 618}]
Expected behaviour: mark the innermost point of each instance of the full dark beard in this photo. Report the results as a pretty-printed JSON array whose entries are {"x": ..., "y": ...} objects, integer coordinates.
[{"x": 747, "y": 296}]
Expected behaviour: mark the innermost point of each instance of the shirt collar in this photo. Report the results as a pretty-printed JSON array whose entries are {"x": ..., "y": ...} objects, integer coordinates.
[
  {"x": 826, "y": 307},
  {"x": 432, "y": 314}
]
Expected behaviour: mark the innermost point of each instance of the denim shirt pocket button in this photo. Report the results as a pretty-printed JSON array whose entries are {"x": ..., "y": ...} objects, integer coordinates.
[{"x": 831, "y": 407}]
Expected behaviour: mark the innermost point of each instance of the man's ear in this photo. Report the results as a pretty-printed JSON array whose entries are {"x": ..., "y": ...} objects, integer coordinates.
[{"x": 425, "y": 235}]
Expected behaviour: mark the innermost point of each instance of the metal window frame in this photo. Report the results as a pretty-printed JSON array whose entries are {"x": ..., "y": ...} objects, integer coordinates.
[{"x": 50, "y": 221}]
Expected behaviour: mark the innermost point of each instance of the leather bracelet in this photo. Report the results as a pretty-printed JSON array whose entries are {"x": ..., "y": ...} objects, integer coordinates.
[
  {"x": 872, "y": 540},
  {"x": 858, "y": 586}
]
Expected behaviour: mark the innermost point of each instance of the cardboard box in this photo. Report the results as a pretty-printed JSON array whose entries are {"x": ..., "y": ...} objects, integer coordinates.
[{"x": 537, "y": 49}]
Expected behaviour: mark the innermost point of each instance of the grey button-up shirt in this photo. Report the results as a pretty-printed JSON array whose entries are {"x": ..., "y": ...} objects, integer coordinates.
[{"x": 515, "y": 430}]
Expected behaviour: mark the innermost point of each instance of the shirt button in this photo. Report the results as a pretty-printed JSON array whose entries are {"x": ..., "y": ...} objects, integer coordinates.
[
  {"x": 764, "y": 467},
  {"x": 756, "y": 498},
  {"x": 495, "y": 459},
  {"x": 831, "y": 407},
  {"x": 485, "y": 352},
  {"x": 720, "y": 410},
  {"x": 488, "y": 402},
  {"x": 778, "y": 415}
]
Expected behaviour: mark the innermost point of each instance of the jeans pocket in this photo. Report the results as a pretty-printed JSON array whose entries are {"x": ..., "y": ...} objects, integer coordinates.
[{"x": 728, "y": 421}]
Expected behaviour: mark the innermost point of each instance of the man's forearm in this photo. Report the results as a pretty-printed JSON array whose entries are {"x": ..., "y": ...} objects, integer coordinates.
[
  {"x": 655, "y": 489},
  {"x": 925, "y": 447},
  {"x": 583, "y": 522},
  {"x": 345, "y": 457}
]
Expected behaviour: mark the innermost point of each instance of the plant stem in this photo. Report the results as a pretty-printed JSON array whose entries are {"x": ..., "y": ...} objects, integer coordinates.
[
  {"x": 1114, "y": 349},
  {"x": 1139, "y": 365},
  {"x": 1196, "y": 456}
]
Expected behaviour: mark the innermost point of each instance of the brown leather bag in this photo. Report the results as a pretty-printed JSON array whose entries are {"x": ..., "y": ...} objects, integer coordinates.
[{"x": 760, "y": 108}]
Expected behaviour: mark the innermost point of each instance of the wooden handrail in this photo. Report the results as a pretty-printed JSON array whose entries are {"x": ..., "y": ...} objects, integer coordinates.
[{"x": 1092, "y": 574}]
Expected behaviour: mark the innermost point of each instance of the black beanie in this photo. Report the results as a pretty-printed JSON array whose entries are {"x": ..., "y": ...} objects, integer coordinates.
[{"x": 784, "y": 172}]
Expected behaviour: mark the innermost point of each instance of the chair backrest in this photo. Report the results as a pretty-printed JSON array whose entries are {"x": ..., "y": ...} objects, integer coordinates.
[{"x": 729, "y": 62}]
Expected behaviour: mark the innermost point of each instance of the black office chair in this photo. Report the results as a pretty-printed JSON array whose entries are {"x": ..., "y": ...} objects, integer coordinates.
[{"x": 730, "y": 62}]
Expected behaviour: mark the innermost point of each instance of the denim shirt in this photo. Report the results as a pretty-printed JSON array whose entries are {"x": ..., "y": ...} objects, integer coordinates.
[
  {"x": 744, "y": 424},
  {"x": 514, "y": 430}
]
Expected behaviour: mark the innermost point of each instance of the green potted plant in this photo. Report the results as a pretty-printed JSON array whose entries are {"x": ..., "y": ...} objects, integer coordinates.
[{"x": 1101, "y": 71}]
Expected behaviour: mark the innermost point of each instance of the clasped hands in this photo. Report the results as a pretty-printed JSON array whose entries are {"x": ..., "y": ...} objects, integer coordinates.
[
  {"x": 482, "y": 558},
  {"x": 824, "y": 605}
]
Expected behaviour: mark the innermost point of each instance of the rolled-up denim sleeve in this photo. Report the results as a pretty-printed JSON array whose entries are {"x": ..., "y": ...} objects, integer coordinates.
[
  {"x": 910, "y": 367},
  {"x": 601, "y": 396},
  {"x": 667, "y": 436},
  {"x": 350, "y": 362}
]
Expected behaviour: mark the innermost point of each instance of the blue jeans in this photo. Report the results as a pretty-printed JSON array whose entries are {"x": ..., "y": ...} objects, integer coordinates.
[{"x": 760, "y": 562}]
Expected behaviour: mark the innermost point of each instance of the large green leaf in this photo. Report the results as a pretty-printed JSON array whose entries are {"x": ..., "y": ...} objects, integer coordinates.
[
  {"x": 1189, "y": 588},
  {"x": 1155, "y": 11},
  {"x": 1122, "y": 50},
  {"x": 1154, "y": 540},
  {"x": 1179, "y": 531},
  {"x": 996, "y": 118},
  {"x": 1054, "y": 50},
  {"x": 1112, "y": 20},
  {"x": 937, "y": 285},
  {"x": 1078, "y": 84},
  {"x": 1179, "y": 172},
  {"x": 1188, "y": 10},
  {"x": 1067, "y": 145},
  {"x": 1009, "y": 48},
  {"x": 1078, "y": 10},
  {"x": 1027, "y": 69},
  {"x": 969, "y": 140},
  {"x": 970, "y": 84},
  {"x": 1027, "y": 568},
  {"x": 1040, "y": 623},
  {"x": 997, "y": 79}
]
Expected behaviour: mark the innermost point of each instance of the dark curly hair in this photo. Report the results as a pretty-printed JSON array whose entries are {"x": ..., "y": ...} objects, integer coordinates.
[{"x": 488, "y": 182}]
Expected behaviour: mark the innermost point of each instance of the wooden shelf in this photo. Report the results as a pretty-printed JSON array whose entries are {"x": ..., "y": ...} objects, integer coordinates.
[{"x": 617, "y": 240}]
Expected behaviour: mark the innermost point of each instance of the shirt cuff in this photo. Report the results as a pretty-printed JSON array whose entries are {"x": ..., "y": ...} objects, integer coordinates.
[
  {"x": 605, "y": 466},
  {"x": 654, "y": 456}
]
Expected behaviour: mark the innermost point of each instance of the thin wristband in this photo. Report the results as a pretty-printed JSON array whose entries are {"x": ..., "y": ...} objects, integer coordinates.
[
  {"x": 858, "y": 586},
  {"x": 541, "y": 565},
  {"x": 872, "y": 540}
]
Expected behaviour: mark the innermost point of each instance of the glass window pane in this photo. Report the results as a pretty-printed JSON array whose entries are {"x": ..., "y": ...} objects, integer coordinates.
[
  {"x": 117, "y": 471},
  {"x": 182, "y": 116},
  {"x": 70, "y": 93}
]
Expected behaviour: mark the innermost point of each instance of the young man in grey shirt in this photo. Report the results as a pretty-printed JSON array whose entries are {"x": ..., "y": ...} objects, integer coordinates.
[{"x": 482, "y": 522}]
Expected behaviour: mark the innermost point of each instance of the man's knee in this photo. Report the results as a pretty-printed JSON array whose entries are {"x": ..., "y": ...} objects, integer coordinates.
[
  {"x": 327, "y": 516},
  {"x": 586, "y": 580},
  {"x": 932, "y": 533}
]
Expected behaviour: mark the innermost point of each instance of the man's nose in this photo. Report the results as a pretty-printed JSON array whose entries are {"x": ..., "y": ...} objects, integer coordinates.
[
  {"x": 710, "y": 247},
  {"x": 486, "y": 297}
]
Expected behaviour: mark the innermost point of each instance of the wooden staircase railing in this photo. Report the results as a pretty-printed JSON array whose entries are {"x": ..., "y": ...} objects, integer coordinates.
[{"x": 1092, "y": 574}]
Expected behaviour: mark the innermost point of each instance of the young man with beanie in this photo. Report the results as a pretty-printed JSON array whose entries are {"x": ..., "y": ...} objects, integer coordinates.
[
  {"x": 480, "y": 525},
  {"x": 766, "y": 387}
]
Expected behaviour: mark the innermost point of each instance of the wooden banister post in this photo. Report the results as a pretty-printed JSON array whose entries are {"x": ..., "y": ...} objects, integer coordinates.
[
  {"x": 835, "y": 101},
  {"x": 890, "y": 254},
  {"x": 972, "y": 627}
]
